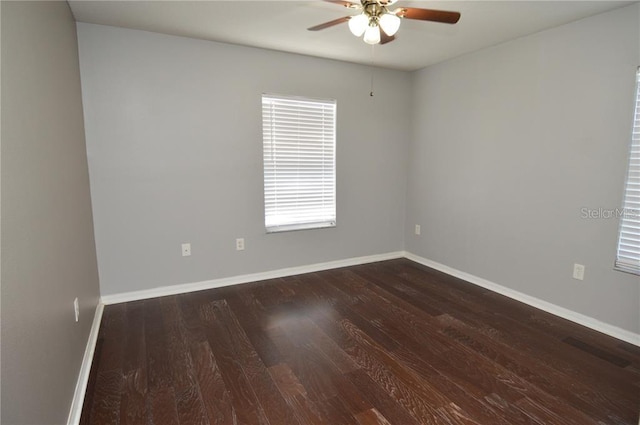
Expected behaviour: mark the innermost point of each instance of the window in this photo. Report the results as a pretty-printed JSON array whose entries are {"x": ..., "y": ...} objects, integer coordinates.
[
  {"x": 299, "y": 145},
  {"x": 628, "y": 258}
]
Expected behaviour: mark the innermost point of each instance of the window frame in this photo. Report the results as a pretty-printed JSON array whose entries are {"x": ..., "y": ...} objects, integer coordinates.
[
  {"x": 316, "y": 187},
  {"x": 630, "y": 213}
]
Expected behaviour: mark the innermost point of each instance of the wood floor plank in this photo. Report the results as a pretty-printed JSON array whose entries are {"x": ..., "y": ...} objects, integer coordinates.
[
  {"x": 106, "y": 399},
  {"x": 295, "y": 394},
  {"x": 112, "y": 330},
  {"x": 246, "y": 406},
  {"x": 468, "y": 395},
  {"x": 452, "y": 414},
  {"x": 250, "y": 314},
  {"x": 387, "y": 343},
  {"x": 404, "y": 389},
  {"x": 330, "y": 364},
  {"x": 371, "y": 417},
  {"x": 189, "y": 305},
  {"x": 328, "y": 348},
  {"x": 162, "y": 406},
  {"x": 273, "y": 405},
  {"x": 598, "y": 352},
  {"x": 87, "y": 404},
  {"x": 189, "y": 404},
  {"x": 216, "y": 398},
  {"x": 134, "y": 356},
  {"x": 511, "y": 411},
  {"x": 381, "y": 399},
  {"x": 430, "y": 363},
  {"x": 310, "y": 367},
  {"x": 336, "y": 412},
  {"x": 158, "y": 365},
  {"x": 497, "y": 317},
  {"x": 133, "y": 408},
  {"x": 550, "y": 380},
  {"x": 417, "y": 396},
  {"x": 575, "y": 363}
]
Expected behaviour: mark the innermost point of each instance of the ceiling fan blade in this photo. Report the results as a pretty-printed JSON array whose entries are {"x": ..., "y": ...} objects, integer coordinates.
[
  {"x": 428, "y": 15},
  {"x": 384, "y": 38},
  {"x": 344, "y": 3},
  {"x": 329, "y": 24}
]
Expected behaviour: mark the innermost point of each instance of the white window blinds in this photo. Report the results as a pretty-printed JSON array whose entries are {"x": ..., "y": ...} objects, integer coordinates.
[
  {"x": 628, "y": 258},
  {"x": 299, "y": 141}
]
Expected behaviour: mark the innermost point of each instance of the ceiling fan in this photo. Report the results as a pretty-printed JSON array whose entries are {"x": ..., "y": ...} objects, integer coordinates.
[{"x": 378, "y": 24}]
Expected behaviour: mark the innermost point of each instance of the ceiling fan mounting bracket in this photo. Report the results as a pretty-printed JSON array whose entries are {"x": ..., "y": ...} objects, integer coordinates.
[{"x": 373, "y": 9}]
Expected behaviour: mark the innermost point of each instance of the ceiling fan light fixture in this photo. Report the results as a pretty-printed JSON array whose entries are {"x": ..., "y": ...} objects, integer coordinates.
[
  {"x": 390, "y": 24},
  {"x": 358, "y": 24},
  {"x": 372, "y": 35},
  {"x": 378, "y": 24}
]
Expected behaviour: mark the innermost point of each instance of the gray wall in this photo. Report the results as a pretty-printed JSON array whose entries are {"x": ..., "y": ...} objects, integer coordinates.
[
  {"x": 48, "y": 250},
  {"x": 506, "y": 146},
  {"x": 509, "y": 144},
  {"x": 175, "y": 155}
]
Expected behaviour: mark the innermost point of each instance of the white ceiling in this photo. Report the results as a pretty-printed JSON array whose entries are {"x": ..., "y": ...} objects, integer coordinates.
[{"x": 281, "y": 25}]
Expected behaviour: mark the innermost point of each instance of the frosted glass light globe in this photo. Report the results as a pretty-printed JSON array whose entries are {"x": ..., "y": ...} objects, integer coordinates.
[
  {"x": 372, "y": 35},
  {"x": 389, "y": 23},
  {"x": 358, "y": 24}
]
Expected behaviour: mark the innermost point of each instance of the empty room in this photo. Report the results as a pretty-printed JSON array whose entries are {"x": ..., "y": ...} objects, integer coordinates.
[{"x": 320, "y": 212}]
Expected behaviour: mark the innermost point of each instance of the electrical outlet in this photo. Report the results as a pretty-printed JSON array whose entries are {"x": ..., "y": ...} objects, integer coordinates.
[
  {"x": 240, "y": 244},
  {"x": 578, "y": 271},
  {"x": 417, "y": 229},
  {"x": 186, "y": 249},
  {"x": 76, "y": 309}
]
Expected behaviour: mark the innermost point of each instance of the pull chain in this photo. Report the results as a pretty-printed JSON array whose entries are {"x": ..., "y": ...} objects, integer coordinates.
[{"x": 372, "y": 68}]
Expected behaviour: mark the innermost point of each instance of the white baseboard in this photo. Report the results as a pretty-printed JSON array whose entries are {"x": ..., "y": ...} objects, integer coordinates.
[
  {"x": 85, "y": 369},
  {"x": 236, "y": 280},
  {"x": 565, "y": 313}
]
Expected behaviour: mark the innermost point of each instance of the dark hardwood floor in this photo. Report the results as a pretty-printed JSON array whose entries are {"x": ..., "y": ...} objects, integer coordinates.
[{"x": 385, "y": 343}]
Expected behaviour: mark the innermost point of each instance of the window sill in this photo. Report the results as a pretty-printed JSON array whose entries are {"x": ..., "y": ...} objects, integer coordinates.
[
  {"x": 627, "y": 270},
  {"x": 304, "y": 226}
]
